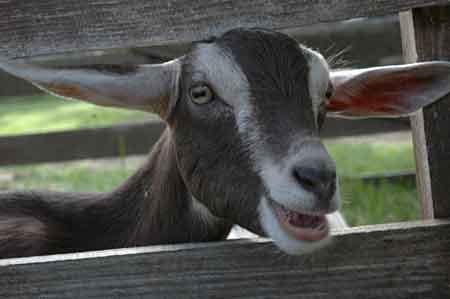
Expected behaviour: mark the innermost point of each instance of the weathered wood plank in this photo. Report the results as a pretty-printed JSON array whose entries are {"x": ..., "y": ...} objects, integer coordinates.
[
  {"x": 409, "y": 260},
  {"x": 379, "y": 36},
  {"x": 80, "y": 144},
  {"x": 133, "y": 139},
  {"x": 426, "y": 34},
  {"x": 30, "y": 28}
]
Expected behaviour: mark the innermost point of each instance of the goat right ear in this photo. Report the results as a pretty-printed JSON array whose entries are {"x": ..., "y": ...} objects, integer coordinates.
[
  {"x": 151, "y": 88},
  {"x": 388, "y": 91}
]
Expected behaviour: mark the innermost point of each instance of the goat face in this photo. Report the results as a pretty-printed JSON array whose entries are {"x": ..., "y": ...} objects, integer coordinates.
[
  {"x": 244, "y": 112},
  {"x": 250, "y": 145}
]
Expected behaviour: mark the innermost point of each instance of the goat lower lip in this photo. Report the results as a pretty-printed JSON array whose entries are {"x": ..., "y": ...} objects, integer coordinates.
[{"x": 301, "y": 226}]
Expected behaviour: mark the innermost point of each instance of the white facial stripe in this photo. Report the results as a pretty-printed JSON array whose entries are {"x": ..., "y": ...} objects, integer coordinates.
[
  {"x": 223, "y": 73},
  {"x": 319, "y": 77},
  {"x": 230, "y": 83}
]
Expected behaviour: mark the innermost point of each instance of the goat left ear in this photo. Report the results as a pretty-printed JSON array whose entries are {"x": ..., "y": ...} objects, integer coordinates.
[
  {"x": 389, "y": 91},
  {"x": 150, "y": 88}
]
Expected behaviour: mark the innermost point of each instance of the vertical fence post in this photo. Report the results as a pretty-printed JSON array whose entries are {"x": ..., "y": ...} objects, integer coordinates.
[{"x": 426, "y": 36}]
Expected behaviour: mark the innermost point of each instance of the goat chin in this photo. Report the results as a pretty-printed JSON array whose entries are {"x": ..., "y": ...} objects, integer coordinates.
[
  {"x": 335, "y": 220},
  {"x": 286, "y": 242}
]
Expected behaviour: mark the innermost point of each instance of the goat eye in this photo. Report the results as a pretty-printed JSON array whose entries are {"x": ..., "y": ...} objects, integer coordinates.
[{"x": 201, "y": 94}]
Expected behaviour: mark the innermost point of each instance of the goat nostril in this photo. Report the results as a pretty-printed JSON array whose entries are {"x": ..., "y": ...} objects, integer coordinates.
[
  {"x": 304, "y": 180},
  {"x": 320, "y": 182}
]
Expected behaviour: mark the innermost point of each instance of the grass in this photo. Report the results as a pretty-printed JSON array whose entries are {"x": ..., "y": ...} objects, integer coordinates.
[
  {"x": 72, "y": 176},
  {"x": 364, "y": 158},
  {"x": 362, "y": 203},
  {"x": 367, "y": 203},
  {"x": 45, "y": 113},
  {"x": 370, "y": 204}
]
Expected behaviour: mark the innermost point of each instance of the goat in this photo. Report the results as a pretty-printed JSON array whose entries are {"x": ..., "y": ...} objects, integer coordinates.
[{"x": 243, "y": 113}]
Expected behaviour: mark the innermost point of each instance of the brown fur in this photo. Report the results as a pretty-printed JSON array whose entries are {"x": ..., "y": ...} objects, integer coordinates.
[{"x": 152, "y": 207}]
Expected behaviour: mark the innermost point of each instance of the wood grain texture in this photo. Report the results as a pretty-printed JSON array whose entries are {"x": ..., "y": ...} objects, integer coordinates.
[
  {"x": 380, "y": 36},
  {"x": 409, "y": 260},
  {"x": 30, "y": 28},
  {"x": 138, "y": 138},
  {"x": 426, "y": 35}
]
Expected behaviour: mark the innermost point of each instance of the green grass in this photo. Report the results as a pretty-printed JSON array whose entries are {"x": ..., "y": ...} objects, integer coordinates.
[
  {"x": 73, "y": 176},
  {"x": 45, "y": 113},
  {"x": 367, "y": 203},
  {"x": 370, "y": 204},
  {"x": 362, "y": 203},
  {"x": 356, "y": 159}
]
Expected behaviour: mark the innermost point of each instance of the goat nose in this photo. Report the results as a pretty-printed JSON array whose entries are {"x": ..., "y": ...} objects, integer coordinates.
[{"x": 319, "y": 181}]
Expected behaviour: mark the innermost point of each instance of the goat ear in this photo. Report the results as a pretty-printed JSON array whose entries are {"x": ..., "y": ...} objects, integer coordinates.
[
  {"x": 140, "y": 87},
  {"x": 389, "y": 91}
]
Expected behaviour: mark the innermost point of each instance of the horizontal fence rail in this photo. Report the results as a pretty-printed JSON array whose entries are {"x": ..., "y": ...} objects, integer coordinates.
[
  {"x": 112, "y": 141},
  {"x": 405, "y": 260},
  {"x": 397, "y": 177},
  {"x": 31, "y": 28},
  {"x": 378, "y": 36},
  {"x": 133, "y": 139}
]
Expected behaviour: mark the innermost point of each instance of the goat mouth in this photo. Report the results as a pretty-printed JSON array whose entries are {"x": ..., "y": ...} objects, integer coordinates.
[{"x": 301, "y": 226}]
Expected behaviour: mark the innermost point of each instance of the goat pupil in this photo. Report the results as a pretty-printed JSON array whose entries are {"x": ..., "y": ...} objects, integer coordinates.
[{"x": 199, "y": 93}]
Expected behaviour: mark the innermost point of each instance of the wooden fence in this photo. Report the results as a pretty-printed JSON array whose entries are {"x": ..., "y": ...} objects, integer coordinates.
[
  {"x": 407, "y": 260},
  {"x": 134, "y": 139},
  {"x": 380, "y": 36}
]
